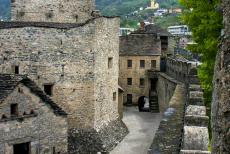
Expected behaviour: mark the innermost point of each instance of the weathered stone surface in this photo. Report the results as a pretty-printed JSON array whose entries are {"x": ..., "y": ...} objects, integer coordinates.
[
  {"x": 195, "y": 138},
  {"x": 70, "y": 11},
  {"x": 194, "y": 94},
  {"x": 196, "y": 120},
  {"x": 196, "y": 110},
  {"x": 221, "y": 95},
  {"x": 93, "y": 141},
  {"x": 193, "y": 79},
  {"x": 196, "y": 101}
]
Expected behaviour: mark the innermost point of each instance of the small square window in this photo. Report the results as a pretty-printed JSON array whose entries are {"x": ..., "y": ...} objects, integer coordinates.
[
  {"x": 129, "y": 81},
  {"x": 14, "y": 109},
  {"x": 114, "y": 96},
  {"x": 153, "y": 63},
  {"x": 129, "y": 63},
  {"x": 48, "y": 88},
  {"x": 110, "y": 62},
  {"x": 142, "y": 63},
  {"x": 142, "y": 82}
]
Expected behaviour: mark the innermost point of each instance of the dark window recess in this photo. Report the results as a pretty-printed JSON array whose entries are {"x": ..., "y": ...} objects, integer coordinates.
[
  {"x": 142, "y": 64},
  {"x": 129, "y": 98},
  {"x": 14, "y": 109},
  {"x": 48, "y": 89},
  {"x": 129, "y": 81},
  {"x": 4, "y": 116},
  {"x": 23, "y": 148},
  {"x": 110, "y": 62},
  {"x": 16, "y": 69},
  {"x": 114, "y": 96},
  {"x": 153, "y": 63},
  {"x": 54, "y": 150},
  {"x": 142, "y": 82},
  {"x": 129, "y": 64}
]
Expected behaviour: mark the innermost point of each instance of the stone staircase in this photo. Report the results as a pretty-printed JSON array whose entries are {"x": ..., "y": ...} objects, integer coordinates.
[{"x": 153, "y": 102}]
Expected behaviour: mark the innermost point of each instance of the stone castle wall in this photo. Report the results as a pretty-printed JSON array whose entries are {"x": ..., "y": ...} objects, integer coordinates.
[
  {"x": 186, "y": 112},
  {"x": 45, "y": 130},
  {"x": 69, "y": 11},
  {"x": 220, "y": 102},
  {"x": 74, "y": 58}
]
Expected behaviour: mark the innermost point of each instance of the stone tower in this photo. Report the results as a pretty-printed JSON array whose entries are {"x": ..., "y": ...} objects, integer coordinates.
[
  {"x": 76, "y": 64},
  {"x": 70, "y": 11}
]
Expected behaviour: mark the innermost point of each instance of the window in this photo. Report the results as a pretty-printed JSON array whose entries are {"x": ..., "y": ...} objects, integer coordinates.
[
  {"x": 110, "y": 62},
  {"x": 48, "y": 88},
  {"x": 14, "y": 109},
  {"x": 129, "y": 81},
  {"x": 114, "y": 96},
  {"x": 22, "y": 148},
  {"x": 142, "y": 64},
  {"x": 16, "y": 69},
  {"x": 142, "y": 82},
  {"x": 153, "y": 63},
  {"x": 129, "y": 98},
  {"x": 129, "y": 63}
]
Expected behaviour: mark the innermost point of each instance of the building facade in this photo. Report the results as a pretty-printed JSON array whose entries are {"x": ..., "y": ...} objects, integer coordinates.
[
  {"x": 141, "y": 55},
  {"x": 30, "y": 122},
  {"x": 75, "y": 63}
]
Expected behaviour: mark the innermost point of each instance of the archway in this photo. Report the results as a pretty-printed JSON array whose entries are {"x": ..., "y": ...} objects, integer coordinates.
[{"x": 143, "y": 104}]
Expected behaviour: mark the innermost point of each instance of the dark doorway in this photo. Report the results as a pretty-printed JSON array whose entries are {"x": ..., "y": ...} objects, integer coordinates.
[
  {"x": 23, "y": 148},
  {"x": 129, "y": 99},
  {"x": 143, "y": 104},
  {"x": 153, "y": 84},
  {"x": 48, "y": 88},
  {"x": 14, "y": 109}
]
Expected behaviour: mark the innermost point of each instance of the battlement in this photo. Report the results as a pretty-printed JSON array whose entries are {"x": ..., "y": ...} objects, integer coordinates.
[{"x": 61, "y": 11}]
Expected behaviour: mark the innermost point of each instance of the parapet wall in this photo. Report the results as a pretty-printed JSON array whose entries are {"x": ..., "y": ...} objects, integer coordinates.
[{"x": 184, "y": 128}]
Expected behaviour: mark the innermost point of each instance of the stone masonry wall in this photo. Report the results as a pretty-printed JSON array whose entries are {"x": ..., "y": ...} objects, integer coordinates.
[
  {"x": 220, "y": 102},
  {"x": 75, "y": 60},
  {"x": 165, "y": 89},
  {"x": 43, "y": 129},
  {"x": 135, "y": 72},
  {"x": 69, "y": 11}
]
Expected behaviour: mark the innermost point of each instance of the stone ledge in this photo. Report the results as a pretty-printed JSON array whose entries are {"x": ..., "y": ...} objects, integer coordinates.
[
  {"x": 195, "y": 94},
  {"x": 194, "y": 152},
  {"x": 195, "y": 138},
  {"x": 195, "y": 120},
  {"x": 196, "y": 101}
]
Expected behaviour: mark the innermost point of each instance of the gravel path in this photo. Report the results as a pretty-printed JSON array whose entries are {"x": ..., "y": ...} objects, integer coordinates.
[{"x": 142, "y": 127}]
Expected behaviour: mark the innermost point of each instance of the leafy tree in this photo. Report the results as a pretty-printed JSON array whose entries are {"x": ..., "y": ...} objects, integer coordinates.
[{"x": 205, "y": 22}]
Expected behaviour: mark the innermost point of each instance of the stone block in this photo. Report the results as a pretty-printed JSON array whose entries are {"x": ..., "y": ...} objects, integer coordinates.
[
  {"x": 194, "y": 152},
  {"x": 196, "y": 110},
  {"x": 195, "y": 138},
  {"x": 194, "y": 80},
  {"x": 194, "y": 120},
  {"x": 195, "y": 87}
]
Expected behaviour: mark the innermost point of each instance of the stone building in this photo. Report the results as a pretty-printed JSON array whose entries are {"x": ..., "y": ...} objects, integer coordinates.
[
  {"x": 75, "y": 63},
  {"x": 30, "y": 122},
  {"x": 140, "y": 57}
]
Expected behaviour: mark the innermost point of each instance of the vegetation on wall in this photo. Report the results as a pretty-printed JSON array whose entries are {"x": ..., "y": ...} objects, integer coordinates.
[{"x": 205, "y": 22}]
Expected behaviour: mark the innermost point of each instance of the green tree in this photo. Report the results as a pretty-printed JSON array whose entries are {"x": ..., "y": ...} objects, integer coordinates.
[{"x": 205, "y": 23}]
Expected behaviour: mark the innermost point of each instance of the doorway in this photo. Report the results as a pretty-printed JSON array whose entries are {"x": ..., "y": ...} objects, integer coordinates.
[{"x": 23, "y": 148}]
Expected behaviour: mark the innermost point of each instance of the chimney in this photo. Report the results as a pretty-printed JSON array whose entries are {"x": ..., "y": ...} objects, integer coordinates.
[{"x": 142, "y": 25}]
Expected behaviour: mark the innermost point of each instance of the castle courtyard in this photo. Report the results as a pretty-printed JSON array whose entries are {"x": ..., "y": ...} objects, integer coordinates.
[{"x": 142, "y": 127}]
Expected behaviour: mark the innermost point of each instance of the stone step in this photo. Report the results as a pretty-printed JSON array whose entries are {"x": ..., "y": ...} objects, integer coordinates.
[{"x": 196, "y": 110}]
